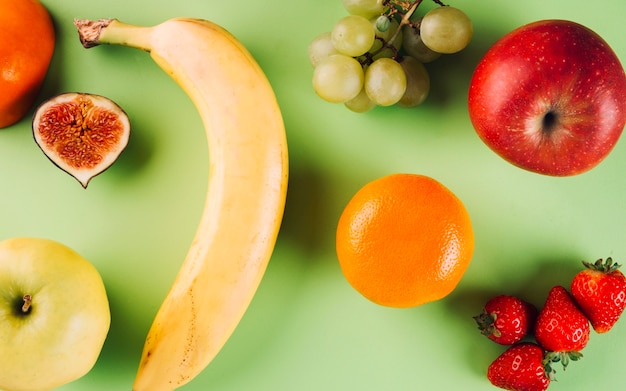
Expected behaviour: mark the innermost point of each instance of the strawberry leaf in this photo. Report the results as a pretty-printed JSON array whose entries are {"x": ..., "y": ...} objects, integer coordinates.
[
  {"x": 563, "y": 357},
  {"x": 486, "y": 323},
  {"x": 604, "y": 266}
]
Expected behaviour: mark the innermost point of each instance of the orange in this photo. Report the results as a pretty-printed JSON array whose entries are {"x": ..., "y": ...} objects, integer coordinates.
[
  {"x": 404, "y": 240},
  {"x": 26, "y": 50}
]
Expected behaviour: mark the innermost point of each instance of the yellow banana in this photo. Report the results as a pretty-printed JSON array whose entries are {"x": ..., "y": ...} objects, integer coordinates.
[{"x": 245, "y": 197}]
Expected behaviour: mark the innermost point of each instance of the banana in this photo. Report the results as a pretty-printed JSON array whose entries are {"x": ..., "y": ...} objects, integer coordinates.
[{"x": 248, "y": 173}]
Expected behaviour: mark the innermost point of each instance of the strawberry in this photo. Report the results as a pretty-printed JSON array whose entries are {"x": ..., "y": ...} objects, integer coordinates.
[
  {"x": 506, "y": 319},
  {"x": 561, "y": 327},
  {"x": 520, "y": 368},
  {"x": 600, "y": 291}
]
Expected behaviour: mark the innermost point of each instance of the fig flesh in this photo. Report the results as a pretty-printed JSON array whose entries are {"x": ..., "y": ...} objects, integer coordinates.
[{"x": 83, "y": 134}]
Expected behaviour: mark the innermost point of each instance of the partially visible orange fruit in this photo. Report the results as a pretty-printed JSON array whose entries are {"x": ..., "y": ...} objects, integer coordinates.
[
  {"x": 26, "y": 50},
  {"x": 404, "y": 240}
]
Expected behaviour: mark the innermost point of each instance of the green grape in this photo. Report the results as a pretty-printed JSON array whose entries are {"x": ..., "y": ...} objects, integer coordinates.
[
  {"x": 338, "y": 78},
  {"x": 381, "y": 23},
  {"x": 384, "y": 53},
  {"x": 320, "y": 48},
  {"x": 353, "y": 35},
  {"x": 385, "y": 81},
  {"x": 387, "y": 34},
  {"x": 446, "y": 29},
  {"x": 414, "y": 47},
  {"x": 360, "y": 103},
  {"x": 365, "y": 8},
  {"x": 417, "y": 82}
]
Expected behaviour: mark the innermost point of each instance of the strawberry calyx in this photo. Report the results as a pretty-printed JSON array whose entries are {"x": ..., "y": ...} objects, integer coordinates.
[
  {"x": 551, "y": 358},
  {"x": 604, "y": 266},
  {"x": 486, "y": 323}
]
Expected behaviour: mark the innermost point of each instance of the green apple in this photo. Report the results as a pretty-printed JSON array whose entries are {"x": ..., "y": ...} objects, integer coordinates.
[{"x": 54, "y": 315}]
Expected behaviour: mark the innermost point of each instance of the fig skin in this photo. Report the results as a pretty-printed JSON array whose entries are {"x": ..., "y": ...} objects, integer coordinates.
[{"x": 83, "y": 134}]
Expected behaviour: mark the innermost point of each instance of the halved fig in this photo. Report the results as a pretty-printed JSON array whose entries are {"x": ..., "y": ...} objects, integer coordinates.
[{"x": 83, "y": 134}]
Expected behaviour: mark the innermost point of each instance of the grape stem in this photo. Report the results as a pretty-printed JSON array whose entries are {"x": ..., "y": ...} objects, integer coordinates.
[
  {"x": 405, "y": 20},
  {"x": 406, "y": 9}
]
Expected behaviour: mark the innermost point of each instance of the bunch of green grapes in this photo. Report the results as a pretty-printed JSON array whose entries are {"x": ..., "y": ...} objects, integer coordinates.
[{"x": 375, "y": 55}]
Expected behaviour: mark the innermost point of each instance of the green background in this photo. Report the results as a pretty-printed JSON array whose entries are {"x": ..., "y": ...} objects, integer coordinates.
[{"x": 307, "y": 329}]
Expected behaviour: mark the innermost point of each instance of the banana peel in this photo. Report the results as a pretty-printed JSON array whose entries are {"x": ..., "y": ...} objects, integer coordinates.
[{"x": 248, "y": 175}]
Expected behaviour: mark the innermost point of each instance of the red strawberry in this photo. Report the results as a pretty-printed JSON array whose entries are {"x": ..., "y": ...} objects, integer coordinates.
[
  {"x": 561, "y": 327},
  {"x": 600, "y": 291},
  {"x": 506, "y": 319},
  {"x": 520, "y": 368}
]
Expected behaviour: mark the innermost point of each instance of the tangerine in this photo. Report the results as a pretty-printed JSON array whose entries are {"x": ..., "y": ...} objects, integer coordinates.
[
  {"x": 26, "y": 49},
  {"x": 404, "y": 240}
]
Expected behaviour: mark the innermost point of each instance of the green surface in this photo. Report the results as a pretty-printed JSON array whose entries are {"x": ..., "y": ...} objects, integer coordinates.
[{"x": 307, "y": 329}]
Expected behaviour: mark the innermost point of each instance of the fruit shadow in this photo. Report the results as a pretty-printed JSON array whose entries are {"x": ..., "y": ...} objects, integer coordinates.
[
  {"x": 452, "y": 73},
  {"x": 53, "y": 81},
  {"x": 309, "y": 219},
  {"x": 139, "y": 150},
  {"x": 468, "y": 301},
  {"x": 124, "y": 343}
]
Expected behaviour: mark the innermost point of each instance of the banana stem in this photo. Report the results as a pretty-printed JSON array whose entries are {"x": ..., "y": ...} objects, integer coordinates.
[{"x": 112, "y": 31}]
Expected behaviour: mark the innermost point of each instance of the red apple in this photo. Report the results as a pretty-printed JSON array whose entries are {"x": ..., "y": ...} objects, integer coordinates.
[{"x": 549, "y": 97}]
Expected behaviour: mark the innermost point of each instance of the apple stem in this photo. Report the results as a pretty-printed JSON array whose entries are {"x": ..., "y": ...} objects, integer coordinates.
[{"x": 28, "y": 300}]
